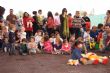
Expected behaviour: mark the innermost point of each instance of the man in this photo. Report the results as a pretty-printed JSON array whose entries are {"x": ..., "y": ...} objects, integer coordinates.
[
  {"x": 77, "y": 25},
  {"x": 11, "y": 18}
]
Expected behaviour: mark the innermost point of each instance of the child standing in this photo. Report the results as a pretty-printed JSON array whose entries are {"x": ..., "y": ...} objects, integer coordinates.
[
  {"x": 22, "y": 33},
  {"x": 12, "y": 41},
  {"x": 87, "y": 38},
  {"x": 5, "y": 45},
  {"x": 40, "y": 19}
]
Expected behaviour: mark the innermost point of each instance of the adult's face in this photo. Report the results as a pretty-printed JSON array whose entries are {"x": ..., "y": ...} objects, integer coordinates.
[
  {"x": 11, "y": 11},
  {"x": 77, "y": 13},
  {"x": 85, "y": 13},
  {"x": 106, "y": 28},
  {"x": 26, "y": 14}
]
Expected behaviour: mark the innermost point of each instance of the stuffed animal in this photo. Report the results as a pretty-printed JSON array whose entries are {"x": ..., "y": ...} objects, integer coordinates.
[
  {"x": 92, "y": 44},
  {"x": 73, "y": 62},
  {"x": 97, "y": 59}
]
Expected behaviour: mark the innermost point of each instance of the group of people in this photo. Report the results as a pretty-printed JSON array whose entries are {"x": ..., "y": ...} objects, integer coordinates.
[{"x": 54, "y": 34}]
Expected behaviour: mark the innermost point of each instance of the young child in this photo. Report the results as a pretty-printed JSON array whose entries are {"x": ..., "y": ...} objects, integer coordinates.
[
  {"x": 22, "y": 34},
  {"x": 38, "y": 39},
  {"x": 66, "y": 47},
  {"x": 12, "y": 41},
  {"x": 72, "y": 40},
  {"x": 1, "y": 39},
  {"x": 5, "y": 45},
  {"x": 23, "y": 47},
  {"x": 57, "y": 44},
  {"x": 32, "y": 46},
  {"x": 87, "y": 38},
  {"x": 76, "y": 54},
  {"x": 52, "y": 38},
  {"x": 47, "y": 45},
  {"x": 38, "y": 36},
  {"x": 40, "y": 18}
]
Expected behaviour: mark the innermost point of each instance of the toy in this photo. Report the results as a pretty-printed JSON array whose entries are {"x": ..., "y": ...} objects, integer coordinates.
[
  {"x": 101, "y": 45},
  {"x": 73, "y": 62},
  {"x": 92, "y": 44},
  {"x": 97, "y": 59}
]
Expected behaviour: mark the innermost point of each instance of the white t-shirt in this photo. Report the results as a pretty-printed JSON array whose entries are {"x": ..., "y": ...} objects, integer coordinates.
[
  {"x": 23, "y": 35},
  {"x": 38, "y": 39},
  {"x": 86, "y": 36}
]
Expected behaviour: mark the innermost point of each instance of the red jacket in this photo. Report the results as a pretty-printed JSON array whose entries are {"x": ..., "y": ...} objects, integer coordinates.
[
  {"x": 70, "y": 22},
  {"x": 50, "y": 22},
  {"x": 25, "y": 21}
]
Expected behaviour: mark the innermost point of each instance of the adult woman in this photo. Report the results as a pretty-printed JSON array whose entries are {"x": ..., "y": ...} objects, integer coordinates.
[
  {"x": 50, "y": 23},
  {"x": 64, "y": 29},
  {"x": 27, "y": 23}
]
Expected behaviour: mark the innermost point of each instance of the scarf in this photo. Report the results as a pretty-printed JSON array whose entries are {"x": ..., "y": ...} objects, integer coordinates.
[{"x": 66, "y": 28}]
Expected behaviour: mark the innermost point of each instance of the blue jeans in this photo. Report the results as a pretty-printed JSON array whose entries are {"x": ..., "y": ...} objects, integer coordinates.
[{"x": 11, "y": 49}]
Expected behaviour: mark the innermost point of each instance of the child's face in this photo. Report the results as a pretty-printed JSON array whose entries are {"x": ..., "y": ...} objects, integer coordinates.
[
  {"x": 22, "y": 29},
  {"x": 32, "y": 40},
  {"x": 88, "y": 32},
  {"x": 73, "y": 38},
  {"x": 80, "y": 46},
  {"x": 94, "y": 28},
  {"x": 106, "y": 28},
  {"x": 66, "y": 43},
  {"x": 39, "y": 33},
  {"x": 40, "y": 12},
  {"x": 77, "y": 13},
  {"x": 14, "y": 28}
]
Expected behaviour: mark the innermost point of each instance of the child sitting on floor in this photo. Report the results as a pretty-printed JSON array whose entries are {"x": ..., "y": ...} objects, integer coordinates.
[
  {"x": 66, "y": 47},
  {"x": 47, "y": 45},
  {"x": 32, "y": 46},
  {"x": 57, "y": 44},
  {"x": 23, "y": 47},
  {"x": 76, "y": 55}
]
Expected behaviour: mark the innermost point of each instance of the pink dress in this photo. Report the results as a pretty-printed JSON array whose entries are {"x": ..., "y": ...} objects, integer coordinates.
[
  {"x": 48, "y": 47},
  {"x": 66, "y": 48}
]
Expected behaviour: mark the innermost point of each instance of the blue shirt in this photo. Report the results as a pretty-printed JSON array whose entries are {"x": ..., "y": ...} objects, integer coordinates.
[
  {"x": 76, "y": 54},
  {"x": 93, "y": 34}
]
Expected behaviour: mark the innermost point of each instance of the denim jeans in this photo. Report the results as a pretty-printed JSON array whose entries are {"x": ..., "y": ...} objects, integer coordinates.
[{"x": 11, "y": 49}]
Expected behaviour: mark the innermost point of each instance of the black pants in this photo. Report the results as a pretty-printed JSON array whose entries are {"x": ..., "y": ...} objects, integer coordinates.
[
  {"x": 71, "y": 31},
  {"x": 77, "y": 32},
  {"x": 50, "y": 31},
  {"x": 28, "y": 34}
]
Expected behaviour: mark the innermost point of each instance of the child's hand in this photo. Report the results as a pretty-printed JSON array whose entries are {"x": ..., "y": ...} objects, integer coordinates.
[{"x": 83, "y": 60}]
